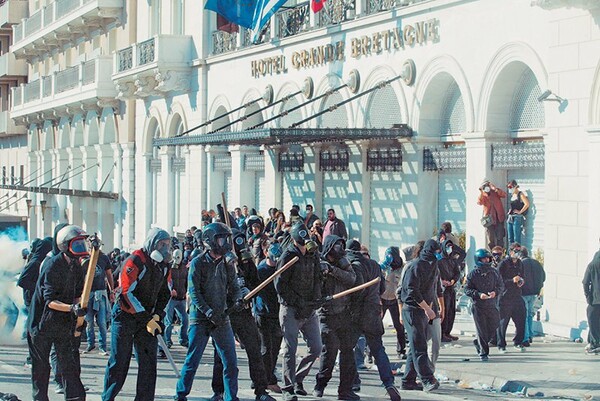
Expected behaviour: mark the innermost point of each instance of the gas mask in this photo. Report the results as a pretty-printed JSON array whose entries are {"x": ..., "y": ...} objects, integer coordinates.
[
  {"x": 448, "y": 250},
  {"x": 162, "y": 253},
  {"x": 338, "y": 251},
  {"x": 439, "y": 256},
  {"x": 311, "y": 246}
]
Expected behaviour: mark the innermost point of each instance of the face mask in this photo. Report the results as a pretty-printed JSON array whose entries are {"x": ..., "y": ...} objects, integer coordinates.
[
  {"x": 438, "y": 256},
  {"x": 311, "y": 246},
  {"x": 338, "y": 251},
  {"x": 308, "y": 211},
  {"x": 157, "y": 256},
  {"x": 78, "y": 247},
  {"x": 487, "y": 190}
]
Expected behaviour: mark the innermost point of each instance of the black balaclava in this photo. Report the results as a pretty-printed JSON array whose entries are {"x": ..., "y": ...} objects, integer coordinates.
[{"x": 429, "y": 250}]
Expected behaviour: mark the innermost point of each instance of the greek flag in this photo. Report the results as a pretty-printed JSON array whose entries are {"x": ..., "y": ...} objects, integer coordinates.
[{"x": 253, "y": 14}]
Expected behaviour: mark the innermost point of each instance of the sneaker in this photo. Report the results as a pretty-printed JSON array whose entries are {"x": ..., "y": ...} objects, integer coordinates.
[
  {"x": 411, "y": 386},
  {"x": 526, "y": 344},
  {"x": 274, "y": 388},
  {"x": 446, "y": 339},
  {"x": 169, "y": 344},
  {"x": 484, "y": 358},
  {"x": 216, "y": 397},
  {"x": 184, "y": 344},
  {"x": 264, "y": 397},
  {"x": 431, "y": 385},
  {"x": 103, "y": 352},
  {"x": 454, "y": 338},
  {"x": 289, "y": 396},
  {"x": 592, "y": 350},
  {"x": 519, "y": 348},
  {"x": 393, "y": 393},
  {"x": 349, "y": 396},
  {"x": 59, "y": 389},
  {"x": 89, "y": 348},
  {"x": 161, "y": 354},
  {"x": 356, "y": 387},
  {"x": 477, "y": 347},
  {"x": 299, "y": 389},
  {"x": 501, "y": 350},
  {"x": 318, "y": 392},
  {"x": 402, "y": 354}
]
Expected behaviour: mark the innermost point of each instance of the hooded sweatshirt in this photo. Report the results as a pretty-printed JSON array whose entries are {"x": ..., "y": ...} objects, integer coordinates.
[
  {"x": 591, "y": 281},
  {"x": 340, "y": 277},
  {"x": 31, "y": 271},
  {"x": 449, "y": 265},
  {"x": 483, "y": 280},
  {"x": 144, "y": 289},
  {"x": 421, "y": 278}
]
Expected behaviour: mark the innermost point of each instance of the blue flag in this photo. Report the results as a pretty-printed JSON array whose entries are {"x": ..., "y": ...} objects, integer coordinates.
[{"x": 253, "y": 14}]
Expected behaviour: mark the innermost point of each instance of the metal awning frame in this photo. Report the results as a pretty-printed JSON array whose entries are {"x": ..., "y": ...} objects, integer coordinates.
[
  {"x": 281, "y": 136},
  {"x": 63, "y": 191}
]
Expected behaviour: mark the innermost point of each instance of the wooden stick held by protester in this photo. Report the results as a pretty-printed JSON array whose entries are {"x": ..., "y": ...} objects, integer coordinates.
[
  {"x": 89, "y": 279},
  {"x": 355, "y": 289},
  {"x": 272, "y": 277},
  {"x": 225, "y": 211}
]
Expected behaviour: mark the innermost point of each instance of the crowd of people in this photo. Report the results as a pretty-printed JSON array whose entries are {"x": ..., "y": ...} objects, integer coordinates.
[{"x": 326, "y": 287}]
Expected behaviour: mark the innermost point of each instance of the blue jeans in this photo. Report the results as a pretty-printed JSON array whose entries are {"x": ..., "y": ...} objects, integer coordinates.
[
  {"x": 179, "y": 306},
  {"x": 225, "y": 344},
  {"x": 359, "y": 351},
  {"x": 97, "y": 307},
  {"x": 529, "y": 301},
  {"x": 515, "y": 228}
]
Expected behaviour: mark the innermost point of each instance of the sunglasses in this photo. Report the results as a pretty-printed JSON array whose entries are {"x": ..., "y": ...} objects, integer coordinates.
[{"x": 496, "y": 254}]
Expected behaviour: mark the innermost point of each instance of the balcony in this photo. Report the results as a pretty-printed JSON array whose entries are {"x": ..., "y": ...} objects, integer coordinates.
[
  {"x": 154, "y": 67},
  {"x": 75, "y": 90},
  {"x": 12, "y": 12},
  {"x": 11, "y": 69},
  {"x": 296, "y": 20},
  {"x": 8, "y": 126},
  {"x": 63, "y": 24}
]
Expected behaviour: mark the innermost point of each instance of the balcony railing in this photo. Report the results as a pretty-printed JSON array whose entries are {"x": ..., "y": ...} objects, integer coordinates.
[
  {"x": 293, "y": 21},
  {"x": 60, "y": 85},
  {"x": 64, "y": 21},
  {"x": 263, "y": 37},
  {"x": 224, "y": 42},
  {"x": 335, "y": 12}
]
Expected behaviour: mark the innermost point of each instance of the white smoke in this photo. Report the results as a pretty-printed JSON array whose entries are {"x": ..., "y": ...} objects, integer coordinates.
[{"x": 12, "y": 316}]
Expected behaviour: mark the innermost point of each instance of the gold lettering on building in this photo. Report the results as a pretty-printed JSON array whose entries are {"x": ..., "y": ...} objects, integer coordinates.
[
  {"x": 319, "y": 55},
  {"x": 268, "y": 66}
]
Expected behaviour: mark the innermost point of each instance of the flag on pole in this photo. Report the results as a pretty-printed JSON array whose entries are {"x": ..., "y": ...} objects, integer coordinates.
[
  {"x": 317, "y": 5},
  {"x": 252, "y": 14}
]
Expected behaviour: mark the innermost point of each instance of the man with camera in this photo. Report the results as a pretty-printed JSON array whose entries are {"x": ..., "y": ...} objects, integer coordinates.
[{"x": 490, "y": 197}]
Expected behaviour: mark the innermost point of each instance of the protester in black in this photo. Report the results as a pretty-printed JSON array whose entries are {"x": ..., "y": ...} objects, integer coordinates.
[
  {"x": 534, "y": 277},
  {"x": 449, "y": 265},
  {"x": 591, "y": 290},
  {"x": 483, "y": 286}
]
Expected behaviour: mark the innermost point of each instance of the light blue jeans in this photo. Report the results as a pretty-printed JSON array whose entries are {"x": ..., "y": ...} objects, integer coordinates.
[
  {"x": 515, "y": 228},
  {"x": 97, "y": 307},
  {"x": 179, "y": 306},
  {"x": 529, "y": 301}
]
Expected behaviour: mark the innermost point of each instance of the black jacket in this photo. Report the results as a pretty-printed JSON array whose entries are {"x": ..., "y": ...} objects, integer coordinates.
[
  {"x": 483, "y": 280},
  {"x": 420, "y": 282},
  {"x": 509, "y": 269},
  {"x": 449, "y": 265},
  {"x": 178, "y": 281},
  {"x": 59, "y": 281},
  {"x": 366, "y": 270},
  {"x": 340, "y": 276},
  {"x": 31, "y": 271},
  {"x": 300, "y": 285},
  {"x": 591, "y": 281},
  {"x": 534, "y": 276},
  {"x": 265, "y": 303}
]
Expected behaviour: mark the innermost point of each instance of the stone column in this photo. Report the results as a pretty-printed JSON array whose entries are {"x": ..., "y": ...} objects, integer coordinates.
[
  {"x": 165, "y": 208},
  {"x": 215, "y": 180},
  {"x": 195, "y": 172},
  {"x": 244, "y": 182},
  {"x": 479, "y": 166},
  {"x": 273, "y": 193}
]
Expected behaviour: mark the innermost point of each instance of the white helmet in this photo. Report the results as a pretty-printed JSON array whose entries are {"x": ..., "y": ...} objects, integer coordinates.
[{"x": 71, "y": 240}]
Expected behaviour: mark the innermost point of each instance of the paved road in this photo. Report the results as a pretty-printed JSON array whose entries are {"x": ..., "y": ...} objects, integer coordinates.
[{"x": 554, "y": 367}]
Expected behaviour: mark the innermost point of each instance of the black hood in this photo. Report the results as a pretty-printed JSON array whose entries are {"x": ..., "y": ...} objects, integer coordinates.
[
  {"x": 429, "y": 250},
  {"x": 55, "y": 249},
  {"x": 445, "y": 245},
  {"x": 330, "y": 241},
  {"x": 353, "y": 245},
  {"x": 40, "y": 248}
]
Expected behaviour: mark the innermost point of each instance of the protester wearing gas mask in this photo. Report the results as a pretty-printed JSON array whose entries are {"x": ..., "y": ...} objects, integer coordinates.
[
  {"x": 266, "y": 313},
  {"x": 511, "y": 302},
  {"x": 490, "y": 197},
  {"x": 54, "y": 311},
  {"x": 299, "y": 291},
  {"x": 138, "y": 316},
  {"x": 243, "y": 323},
  {"x": 418, "y": 294},
  {"x": 391, "y": 268},
  {"x": 449, "y": 265},
  {"x": 335, "y": 320},
  {"x": 177, "y": 280},
  {"x": 212, "y": 288}
]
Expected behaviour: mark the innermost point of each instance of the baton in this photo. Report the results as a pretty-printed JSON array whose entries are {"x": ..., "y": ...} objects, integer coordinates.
[
  {"x": 89, "y": 279},
  {"x": 272, "y": 277},
  {"x": 353, "y": 289},
  {"x": 163, "y": 345}
]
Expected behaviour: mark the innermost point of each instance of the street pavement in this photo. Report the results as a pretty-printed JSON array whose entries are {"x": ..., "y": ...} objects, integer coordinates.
[{"x": 553, "y": 368}]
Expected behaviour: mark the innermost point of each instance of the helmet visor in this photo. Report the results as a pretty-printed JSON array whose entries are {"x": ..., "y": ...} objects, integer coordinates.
[
  {"x": 223, "y": 241},
  {"x": 78, "y": 247}
]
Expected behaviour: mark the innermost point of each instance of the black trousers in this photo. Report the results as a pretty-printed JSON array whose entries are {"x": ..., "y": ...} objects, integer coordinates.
[
  {"x": 486, "y": 323},
  {"x": 513, "y": 308},
  {"x": 417, "y": 360},
  {"x": 337, "y": 334},
  {"x": 394, "y": 308},
  {"x": 244, "y": 328},
  {"x": 269, "y": 330},
  {"x": 67, "y": 357},
  {"x": 593, "y": 315},
  {"x": 449, "y": 311}
]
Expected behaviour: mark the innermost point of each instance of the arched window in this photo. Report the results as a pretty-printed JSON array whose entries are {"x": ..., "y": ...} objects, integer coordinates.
[
  {"x": 526, "y": 112},
  {"x": 454, "y": 120},
  {"x": 337, "y": 118},
  {"x": 383, "y": 110}
]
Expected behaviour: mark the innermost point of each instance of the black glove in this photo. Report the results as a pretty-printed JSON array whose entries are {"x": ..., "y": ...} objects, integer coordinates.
[
  {"x": 344, "y": 263},
  {"x": 318, "y": 303},
  {"x": 218, "y": 319},
  {"x": 78, "y": 310},
  {"x": 240, "y": 305},
  {"x": 325, "y": 267}
]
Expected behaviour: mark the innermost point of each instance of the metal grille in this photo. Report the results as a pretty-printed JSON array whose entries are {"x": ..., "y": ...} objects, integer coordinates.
[
  {"x": 453, "y": 116},
  {"x": 518, "y": 155},
  {"x": 146, "y": 52},
  {"x": 375, "y": 6},
  {"x": 89, "y": 72},
  {"x": 289, "y": 119},
  {"x": 291, "y": 161},
  {"x": 32, "y": 91},
  {"x": 335, "y": 12},
  {"x": 125, "y": 59},
  {"x": 334, "y": 160},
  {"x": 293, "y": 21},
  {"x": 178, "y": 164},
  {"x": 527, "y": 112},
  {"x": 222, "y": 162},
  {"x": 383, "y": 110},
  {"x": 389, "y": 159},
  {"x": 66, "y": 79},
  {"x": 263, "y": 37},
  {"x": 254, "y": 162},
  {"x": 336, "y": 117},
  {"x": 223, "y": 42},
  {"x": 156, "y": 165},
  {"x": 450, "y": 158}
]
